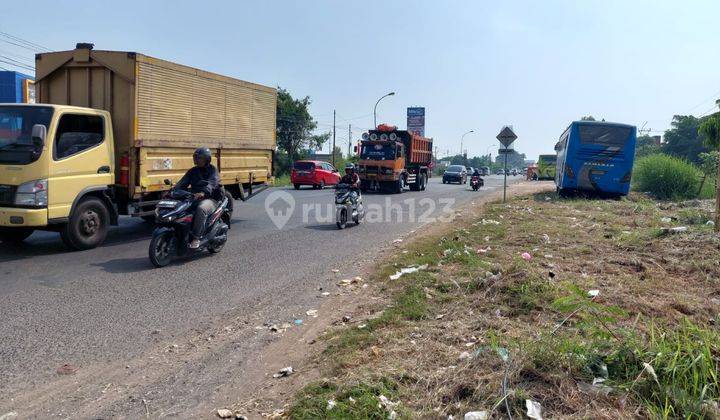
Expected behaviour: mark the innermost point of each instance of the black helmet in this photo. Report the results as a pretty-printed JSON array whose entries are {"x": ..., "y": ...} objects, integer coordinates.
[
  {"x": 202, "y": 153},
  {"x": 349, "y": 167}
]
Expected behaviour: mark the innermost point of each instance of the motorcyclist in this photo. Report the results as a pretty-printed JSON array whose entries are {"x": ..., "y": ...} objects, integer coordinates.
[
  {"x": 203, "y": 181},
  {"x": 476, "y": 172},
  {"x": 353, "y": 180}
]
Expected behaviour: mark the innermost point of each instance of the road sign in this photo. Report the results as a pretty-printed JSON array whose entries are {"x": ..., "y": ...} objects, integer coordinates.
[
  {"x": 506, "y": 136},
  {"x": 505, "y": 151}
]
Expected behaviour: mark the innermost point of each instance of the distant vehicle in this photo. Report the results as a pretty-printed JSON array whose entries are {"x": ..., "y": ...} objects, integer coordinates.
[
  {"x": 391, "y": 159},
  {"x": 531, "y": 173},
  {"x": 596, "y": 156},
  {"x": 485, "y": 171},
  {"x": 499, "y": 172},
  {"x": 455, "y": 173},
  {"x": 546, "y": 167},
  {"x": 514, "y": 172},
  {"x": 476, "y": 182},
  {"x": 316, "y": 173}
]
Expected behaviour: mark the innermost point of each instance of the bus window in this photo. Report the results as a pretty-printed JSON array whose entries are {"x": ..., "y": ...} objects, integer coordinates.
[{"x": 609, "y": 136}]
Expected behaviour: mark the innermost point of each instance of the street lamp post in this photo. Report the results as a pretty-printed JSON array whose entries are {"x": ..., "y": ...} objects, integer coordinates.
[
  {"x": 375, "y": 109},
  {"x": 461, "y": 143}
]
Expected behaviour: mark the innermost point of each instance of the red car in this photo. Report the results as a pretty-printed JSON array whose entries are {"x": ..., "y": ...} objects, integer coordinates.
[{"x": 313, "y": 172}]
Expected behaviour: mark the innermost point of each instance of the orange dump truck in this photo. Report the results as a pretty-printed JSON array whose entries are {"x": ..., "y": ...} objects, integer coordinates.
[{"x": 391, "y": 159}]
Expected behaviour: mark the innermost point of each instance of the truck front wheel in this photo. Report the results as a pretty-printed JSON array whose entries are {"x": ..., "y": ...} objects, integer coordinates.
[
  {"x": 14, "y": 235},
  {"x": 88, "y": 225}
]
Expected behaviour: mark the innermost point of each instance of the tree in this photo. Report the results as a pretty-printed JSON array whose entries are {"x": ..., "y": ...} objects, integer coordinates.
[
  {"x": 646, "y": 145},
  {"x": 683, "y": 139},
  {"x": 709, "y": 130},
  {"x": 514, "y": 160},
  {"x": 295, "y": 125}
]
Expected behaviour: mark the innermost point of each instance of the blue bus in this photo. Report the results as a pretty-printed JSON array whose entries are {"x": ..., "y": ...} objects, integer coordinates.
[{"x": 597, "y": 157}]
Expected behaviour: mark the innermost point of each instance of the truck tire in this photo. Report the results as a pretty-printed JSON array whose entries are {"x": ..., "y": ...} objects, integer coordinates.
[
  {"x": 14, "y": 235},
  {"x": 399, "y": 186},
  {"x": 423, "y": 183},
  {"x": 88, "y": 225}
]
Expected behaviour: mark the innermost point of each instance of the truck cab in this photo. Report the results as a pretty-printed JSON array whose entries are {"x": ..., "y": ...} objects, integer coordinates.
[{"x": 56, "y": 171}]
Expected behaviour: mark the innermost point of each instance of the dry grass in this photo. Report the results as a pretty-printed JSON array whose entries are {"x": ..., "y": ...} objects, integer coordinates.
[{"x": 653, "y": 287}]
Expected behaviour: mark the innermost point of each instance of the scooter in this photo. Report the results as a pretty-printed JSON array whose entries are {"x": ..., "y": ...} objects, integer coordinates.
[
  {"x": 344, "y": 207},
  {"x": 476, "y": 182},
  {"x": 174, "y": 219}
]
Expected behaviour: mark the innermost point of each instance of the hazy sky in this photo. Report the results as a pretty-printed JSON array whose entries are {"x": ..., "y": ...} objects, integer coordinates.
[{"x": 474, "y": 65}]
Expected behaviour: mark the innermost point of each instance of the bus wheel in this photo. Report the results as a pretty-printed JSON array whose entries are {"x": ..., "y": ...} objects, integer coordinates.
[{"x": 88, "y": 225}]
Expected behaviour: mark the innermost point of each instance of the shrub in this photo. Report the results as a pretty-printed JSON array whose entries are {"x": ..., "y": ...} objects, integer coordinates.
[{"x": 666, "y": 177}]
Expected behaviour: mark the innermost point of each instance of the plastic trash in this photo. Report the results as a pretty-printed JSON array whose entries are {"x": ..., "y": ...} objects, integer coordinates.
[
  {"x": 286, "y": 371},
  {"x": 534, "y": 409},
  {"x": 526, "y": 256},
  {"x": 476, "y": 415},
  {"x": 407, "y": 270},
  {"x": 593, "y": 293}
]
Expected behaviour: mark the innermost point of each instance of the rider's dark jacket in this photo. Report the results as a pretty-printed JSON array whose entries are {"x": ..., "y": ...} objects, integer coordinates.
[
  {"x": 351, "y": 178},
  {"x": 205, "y": 180}
]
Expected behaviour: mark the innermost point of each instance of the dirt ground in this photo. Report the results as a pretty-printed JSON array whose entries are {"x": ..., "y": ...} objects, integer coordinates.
[
  {"x": 303, "y": 348},
  {"x": 587, "y": 308}
]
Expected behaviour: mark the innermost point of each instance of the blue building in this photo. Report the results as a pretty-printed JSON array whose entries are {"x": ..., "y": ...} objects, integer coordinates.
[{"x": 16, "y": 87}]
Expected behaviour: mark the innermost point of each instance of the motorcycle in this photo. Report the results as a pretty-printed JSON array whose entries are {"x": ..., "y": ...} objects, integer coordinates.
[
  {"x": 174, "y": 219},
  {"x": 476, "y": 182},
  {"x": 344, "y": 207}
]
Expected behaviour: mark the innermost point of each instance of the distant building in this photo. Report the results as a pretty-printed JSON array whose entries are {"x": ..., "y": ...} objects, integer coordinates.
[
  {"x": 16, "y": 87},
  {"x": 657, "y": 140},
  {"x": 443, "y": 163}
]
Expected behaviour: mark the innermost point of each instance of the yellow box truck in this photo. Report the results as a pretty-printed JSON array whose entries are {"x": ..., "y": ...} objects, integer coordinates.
[{"x": 110, "y": 127}]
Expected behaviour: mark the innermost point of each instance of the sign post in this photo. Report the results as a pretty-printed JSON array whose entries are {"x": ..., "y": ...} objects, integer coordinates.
[{"x": 506, "y": 138}]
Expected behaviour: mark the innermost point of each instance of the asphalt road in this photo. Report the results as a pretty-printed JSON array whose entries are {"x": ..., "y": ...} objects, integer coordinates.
[{"x": 107, "y": 308}]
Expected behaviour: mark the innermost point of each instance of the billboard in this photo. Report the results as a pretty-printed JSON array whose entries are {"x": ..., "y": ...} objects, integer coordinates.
[{"x": 416, "y": 121}]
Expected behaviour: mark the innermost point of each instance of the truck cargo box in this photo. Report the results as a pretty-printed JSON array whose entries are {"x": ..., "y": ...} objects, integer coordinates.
[{"x": 162, "y": 111}]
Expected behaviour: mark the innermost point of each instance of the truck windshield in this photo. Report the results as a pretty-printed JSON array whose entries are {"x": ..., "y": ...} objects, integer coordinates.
[
  {"x": 378, "y": 151},
  {"x": 16, "y": 122}
]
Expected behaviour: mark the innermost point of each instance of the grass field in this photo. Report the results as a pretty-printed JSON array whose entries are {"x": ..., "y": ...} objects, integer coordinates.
[{"x": 593, "y": 309}]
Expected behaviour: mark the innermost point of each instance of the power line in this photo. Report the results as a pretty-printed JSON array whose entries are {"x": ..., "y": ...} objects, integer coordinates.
[
  {"x": 20, "y": 63},
  {"x": 24, "y": 41},
  {"x": 17, "y": 65}
]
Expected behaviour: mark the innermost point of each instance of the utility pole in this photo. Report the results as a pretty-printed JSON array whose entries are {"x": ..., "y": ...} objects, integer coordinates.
[
  {"x": 349, "y": 139},
  {"x": 332, "y": 153}
]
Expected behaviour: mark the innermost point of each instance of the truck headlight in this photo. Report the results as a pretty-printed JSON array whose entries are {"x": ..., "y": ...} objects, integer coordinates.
[
  {"x": 387, "y": 171},
  {"x": 33, "y": 193}
]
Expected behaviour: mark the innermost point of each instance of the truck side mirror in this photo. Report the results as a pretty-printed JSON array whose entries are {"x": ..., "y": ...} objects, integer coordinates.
[
  {"x": 39, "y": 132},
  {"x": 355, "y": 149},
  {"x": 167, "y": 182}
]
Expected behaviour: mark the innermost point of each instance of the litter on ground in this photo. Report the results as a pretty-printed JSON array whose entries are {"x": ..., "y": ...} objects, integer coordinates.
[{"x": 408, "y": 270}]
